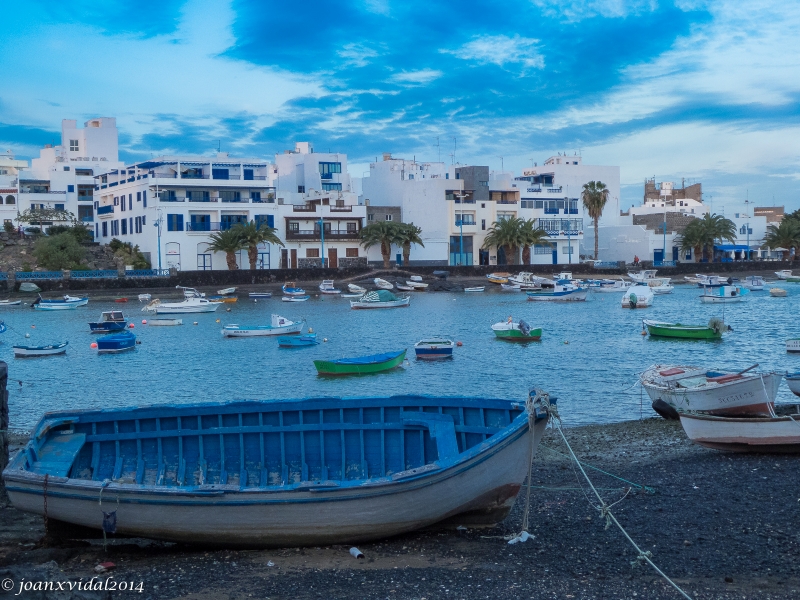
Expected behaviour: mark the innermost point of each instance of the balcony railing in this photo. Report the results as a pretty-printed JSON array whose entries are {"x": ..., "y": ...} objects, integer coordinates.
[
  {"x": 314, "y": 234},
  {"x": 209, "y": 226},
  {"x": 507, "y": 201},
  {"x": 304, "y": 208},
  {"x": 105, "y": 210}
]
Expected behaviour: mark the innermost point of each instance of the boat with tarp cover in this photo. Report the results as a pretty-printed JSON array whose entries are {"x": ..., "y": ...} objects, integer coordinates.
[
  {"x": 360, "y": 365},
  {"x": 381, "y": 299},
  {"x": 276, "y": 473}
]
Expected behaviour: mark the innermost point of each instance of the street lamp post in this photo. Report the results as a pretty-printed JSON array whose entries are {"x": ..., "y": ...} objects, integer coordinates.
[
  {"x": 747, "y": 214},
  {"x": 664, "y": 255},
  {"x": 157, "y": 224}
]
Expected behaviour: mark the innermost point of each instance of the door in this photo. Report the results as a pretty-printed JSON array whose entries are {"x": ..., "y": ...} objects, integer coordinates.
[
  {"x": 675, "y": 253},
  {"x": 284, "y": 258},
  {"x": 555, "y": 256},
  {"x": 658, "y": 256},
  {"x": 333, "y": 258},
  {"x": 293, "y": 254}
]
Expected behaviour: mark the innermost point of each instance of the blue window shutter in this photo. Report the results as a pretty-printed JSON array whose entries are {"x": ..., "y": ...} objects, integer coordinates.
[
  {"x": 271, "y": 221},
  {"x": 70, "y": 188},
  {"x": 144, "y": 199}
]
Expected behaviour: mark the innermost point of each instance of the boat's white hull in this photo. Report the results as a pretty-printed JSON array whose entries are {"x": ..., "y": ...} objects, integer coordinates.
[
  {"x": 661, "y": 290},
  {"x": 294, "y": 298},
  {"x": 778, "y": 434},
  {"x": 475, "y": 289},
  {"x": 24, "y": 352},
  {"x": 65, "y": 306},
  {"x": 391, "y": 304},
  {"x": 166, "y": 309},
  {"x": 164, "y": 322},
  {"x": 10, "y": 302},
  {"x": 485, "y": 485},
  {"x": 777, "y": 293},
  {"x": 383, "y": 284},
  {"x": 263, "y": 331},
  {"x": 720, "y": 299},
  {"x": 572, "y": 296},
  {"x": 794, "y": 385},
  {"x": 751, "y": 395},
  {"x": 793, "y": 345},
  {"x": 609, "y": 289}
]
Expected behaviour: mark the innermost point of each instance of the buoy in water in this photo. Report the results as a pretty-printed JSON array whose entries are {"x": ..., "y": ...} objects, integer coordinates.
[
  {"x": 27, "y": 335},
  {"x": 566, "y": 341},
  {"x": 131, "y": 325},
  {"x": 195, "y": 323},
  {"x": 459, "y": 344},
  {"x": 33, "y": 326},
  {"x": 227, "y": 310},
  {"x": 138, "y": 341},
  {"x": 644, "y": 332},
  {"x": 93, "y": 345},
  {"x": 324, "y": 339},
  {"x": 144, "y": 321},
  {"x": 217, "y": 320},
  {"x": 310, "y": 330}
]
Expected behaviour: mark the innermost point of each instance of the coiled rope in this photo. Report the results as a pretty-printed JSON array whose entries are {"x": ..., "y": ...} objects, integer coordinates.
[{"x": 605, "y": 509}]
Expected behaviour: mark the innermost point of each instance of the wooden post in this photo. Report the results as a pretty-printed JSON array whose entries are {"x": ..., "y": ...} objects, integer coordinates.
[{"x": 3, "y": 417}]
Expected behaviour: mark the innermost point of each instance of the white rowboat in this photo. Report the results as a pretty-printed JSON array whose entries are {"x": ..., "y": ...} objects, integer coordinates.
[
  {"x": 279, "y": 326},
  {"x": 164, "y": 322},
  {"x": 769, "y": 434}
]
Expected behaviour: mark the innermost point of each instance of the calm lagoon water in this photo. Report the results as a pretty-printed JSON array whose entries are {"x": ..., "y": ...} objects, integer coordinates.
[{"x": 589, "y": 355}]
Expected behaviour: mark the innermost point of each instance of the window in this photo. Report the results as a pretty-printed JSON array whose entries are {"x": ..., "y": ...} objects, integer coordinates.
[
  {"x": 388, "y": 218},
  {"x": 538, "y": 204},
  {"x": 70, "y": 188},
  {"x": 248, "y": 174},
  {"x": 65, "y": 168},
  {"x": 268, "y": 220},
  {"x": 85, "y": 213},
  {"x": 105, "y": 228},
  {"x": 458, "y": 175},
  {"x": 174, "y": 222},
  {"x": 370, "y": 217},
  {"x": 410, "y": 176},
  {"x": 230, "y": 196},
  {"x": 484, "y": 183},
  {"x": 219, "y": 173},
  {"x": 130, "y": 201},
  {"x": 115, "y": 227},
  {"x": 542, "y": 249},
  {"x": 312, "y": 252},
  {"x": 124, "y": 226},
  {"x": 327, "y": 169},
  {"x": 197, "y": 196},
  {"x": 333, "y": 187},
  {"x": 85, "y": 192},
  {"x": 84, "y": 172},
  {"x": 116, "y": 200},
  {"x": 10, "y": 200},
  {"x": 59, "y": 207},
  {"x": 526, "y": 203},
  {"x": 144, "y": 199},
  {"x": 351, "y": 227},
  {"x": 567, "y": 249},
  {"x": 255, "y": 196},
  {"x": 301, "y": 189},
  {"x": 294, "y": 226},
  {"x": 447, "y": 175},
  {"x": 351, "y": 252},
  {"x": 96, "y": 230},
  {"x": 483, "y": 224},
  {"x": 73, "y": 146},
  {"x": 483, "y": 204}
]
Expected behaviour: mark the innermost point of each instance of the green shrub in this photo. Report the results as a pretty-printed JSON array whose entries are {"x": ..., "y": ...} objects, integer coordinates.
[
  {"x": 58, "y": 252},
  {"x": 8, "y": 226},
  {"x": 80, "y": 232},
  {"x": 129, "y": 253}
]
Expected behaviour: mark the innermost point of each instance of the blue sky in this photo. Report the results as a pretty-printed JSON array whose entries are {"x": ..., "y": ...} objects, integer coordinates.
[{"x": 706, "y": 91}]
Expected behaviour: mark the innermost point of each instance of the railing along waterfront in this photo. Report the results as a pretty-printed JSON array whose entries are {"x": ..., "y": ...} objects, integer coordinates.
[
  {"x": 27, "y": 275},
  {"x": 139, "y": 273},
  {"x": 99, "y": 274}
]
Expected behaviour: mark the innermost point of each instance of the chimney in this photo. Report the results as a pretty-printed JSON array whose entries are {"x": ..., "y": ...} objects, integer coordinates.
[{"x": 387, "y": 156}]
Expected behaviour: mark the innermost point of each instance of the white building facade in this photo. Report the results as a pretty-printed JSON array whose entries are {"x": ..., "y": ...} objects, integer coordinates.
[
  {"x": 10, "y": 169},
  {"x": 171, "y": 205}
]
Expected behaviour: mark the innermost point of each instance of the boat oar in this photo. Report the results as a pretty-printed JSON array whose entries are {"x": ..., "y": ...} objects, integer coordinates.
[{"x": 747, "y": 369}]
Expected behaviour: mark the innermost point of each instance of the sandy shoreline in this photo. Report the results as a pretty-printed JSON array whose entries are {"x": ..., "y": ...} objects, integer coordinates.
[{"x": 721, "y": 525}]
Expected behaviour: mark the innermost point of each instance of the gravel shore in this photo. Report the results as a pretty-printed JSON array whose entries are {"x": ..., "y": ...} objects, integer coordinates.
[{"x": 720, "y": 525}]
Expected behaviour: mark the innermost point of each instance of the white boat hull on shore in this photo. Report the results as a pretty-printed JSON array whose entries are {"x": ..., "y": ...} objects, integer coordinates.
[{"x": 769, "y": 434}]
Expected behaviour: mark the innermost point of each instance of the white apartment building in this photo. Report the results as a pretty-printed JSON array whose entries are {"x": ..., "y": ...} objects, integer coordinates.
[
  {"x": 169, "y": 206},
  {"x": 10, "y": 169}
]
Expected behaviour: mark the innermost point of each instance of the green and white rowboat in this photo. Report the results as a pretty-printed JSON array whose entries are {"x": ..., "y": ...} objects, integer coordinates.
[
  {"x": 360, "y": 365},
  {"x": 712, "y": 331},
  {"x": 517, "y": 332}
]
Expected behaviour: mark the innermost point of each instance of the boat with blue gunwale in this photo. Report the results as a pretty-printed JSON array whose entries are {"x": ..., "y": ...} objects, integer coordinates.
[
  {"x": 116, "y": 342},
  {"x": 562, "y": 290},
  {"x": 110, "y": 322},
  {"x": 65, "y": 303},
  {"x": 278, "y": 326},
  {"x": 434, "y": 348},
  {"x": 298, "y": 341},
  {"x": 360, "y": 365},
  {"x": 290, "y": 289},
  {"x": 278, "y": 473},
  {"x": 49, "y": 350},
  {"x": 381, "y": 299}
]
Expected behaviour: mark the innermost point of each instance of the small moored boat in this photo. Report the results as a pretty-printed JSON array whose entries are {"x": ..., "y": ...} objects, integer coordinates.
[
  {"x": 360, "y": 365},
  {"x": 784, "y": 274},
  {"x": 638, "y": 296},
  {"x": 260, "y": 295},
  {"x": 382, "y": 284},
  {"x": 188, "y": 306},
  {"x": 713, "y": 331},
  {"x": 417, "y": 285},
  {"x": 754, "y": 283},
  {"x": 478, "y": 288},
  {"x": 793, "y": 345},
  {"x": 145, "y": 297},
  {"x": 777, "y": 292},
  {"x": 224, "y": 299},
  {"x": 110, "y": 321},
  {"x": 498, "y": 277},
  {"x": 10, "y": 302},
  {"x": 434, "y": 348},
  {"x": 66, "y": 303},
  {"x": 326, "y": 287},
  {"x": 380, "y": 299},
  {"x": 381, "y": 467},
  {"x": 164, "y": 322},
  {"x": 611, "y": 286},
  {"x": 290, "y": 289},
  {"x": 749, "y": 434},
  {"x": 356, "y": 289},
  {"x": 278, "y": 326},
  {"x": 298, "y": 341},
  {"x": 295, "y": 298},
  {"x": 723, "y": 294},
  {"x": 226, "y": 291},
  {"x": 404, "y": 288},
  {"x": 26, "y": 351},
  {"x": 189, "y": 292},
  {"x": 116, "y": 342},
  {"x": 27, "y": 286},
  {"x": 793, "y": 381},
  {"x": 558, "y": 291},
  {"x": 516, "y": 331}
]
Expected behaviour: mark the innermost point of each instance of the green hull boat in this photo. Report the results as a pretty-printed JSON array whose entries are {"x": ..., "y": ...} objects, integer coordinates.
[
  {"x": 793, "y": 280},
  {"x": 360, "y": 365},
  {"x": 517, "y": 332},
  {"x": 712, "y": 331}
]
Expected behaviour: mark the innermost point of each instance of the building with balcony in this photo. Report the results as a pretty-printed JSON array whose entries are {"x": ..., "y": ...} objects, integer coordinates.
[
  {"x": 62, "y": 177},
  {"x": 663, "y": 197},
  {"x": 169, "y": 206},
  {"x": 10, "y": 169}
]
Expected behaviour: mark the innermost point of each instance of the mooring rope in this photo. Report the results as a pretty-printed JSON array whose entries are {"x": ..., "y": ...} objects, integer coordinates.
[
  {"x": 646, "y": 488},
  {"x": 605, "y": 509}
]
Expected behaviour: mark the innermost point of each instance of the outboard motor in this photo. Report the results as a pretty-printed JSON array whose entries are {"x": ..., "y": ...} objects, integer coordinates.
[{"x": 524, "y": 328}]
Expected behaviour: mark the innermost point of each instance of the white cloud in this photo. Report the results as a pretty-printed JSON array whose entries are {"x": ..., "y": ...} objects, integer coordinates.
[
  {"x": 577, "y": 10},
  {"x": 357, "y": 55},
  {"x": 501, "y": 50},
  {"x": 420, "y": 77}
]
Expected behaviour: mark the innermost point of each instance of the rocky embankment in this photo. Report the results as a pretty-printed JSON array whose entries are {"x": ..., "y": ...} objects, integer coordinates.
[
  {"x": 16, "y": 254},
  {"x": 721, "y": 525}
]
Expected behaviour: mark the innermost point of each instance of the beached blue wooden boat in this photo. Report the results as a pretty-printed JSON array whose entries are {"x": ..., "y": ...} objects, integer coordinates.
[
  {"x": 116, "y": 342},
  {"x": 273, "y": 473},
  {"x": 298, "y": 341},
  {"x": 110, "y": 321}
]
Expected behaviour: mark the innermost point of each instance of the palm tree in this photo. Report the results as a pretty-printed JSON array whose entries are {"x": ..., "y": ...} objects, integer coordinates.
[
  {"x": 407, "y": 234},
  {"x": 693, "y": 238},
  {"x": 716, "y": 228},
  {"x": 383, "y": 234},
  {"x": 252, "y": 234},
  {"x": 532, "y": 236},
  {"x": 595, "y": 196},
  {"x": 507, "y": 233},
  {"x": 230, "y": 243},
  {"x": 785, "y": 235}
]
